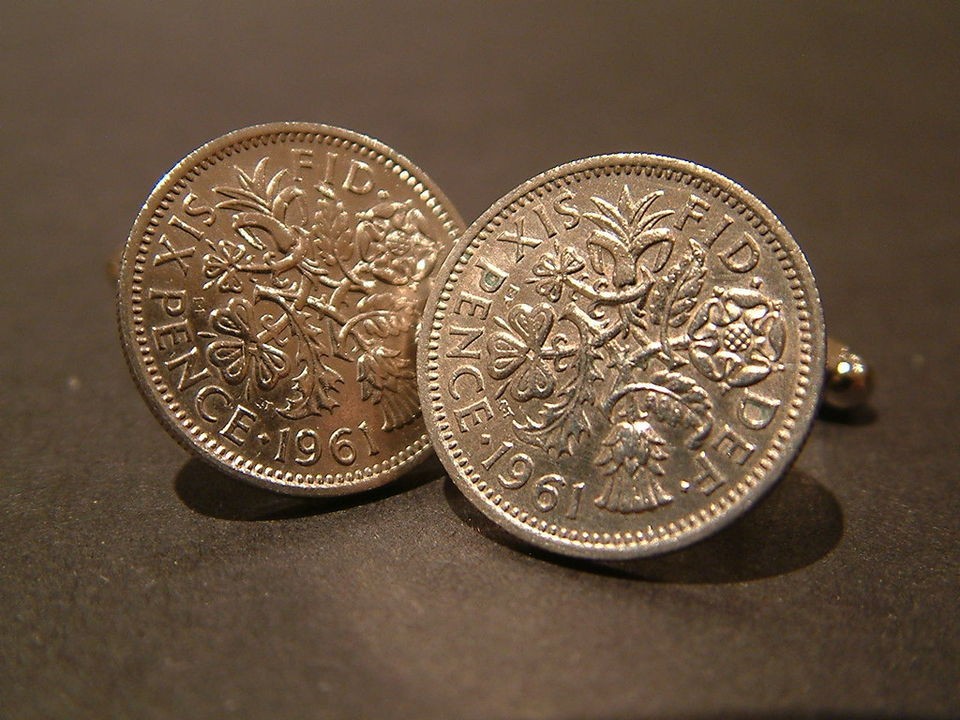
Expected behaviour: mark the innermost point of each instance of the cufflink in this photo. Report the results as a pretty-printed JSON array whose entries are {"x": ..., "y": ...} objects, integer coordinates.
[{"x": 623, "y": 354}]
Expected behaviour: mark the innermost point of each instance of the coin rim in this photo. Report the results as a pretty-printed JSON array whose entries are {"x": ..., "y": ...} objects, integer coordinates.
[
  {"x": 310, "y": 484},
  {"x": 645, "y": 163}
]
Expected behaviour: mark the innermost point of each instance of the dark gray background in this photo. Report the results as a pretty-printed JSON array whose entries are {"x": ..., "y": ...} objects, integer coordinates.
[{"x": 135, "y": 582}]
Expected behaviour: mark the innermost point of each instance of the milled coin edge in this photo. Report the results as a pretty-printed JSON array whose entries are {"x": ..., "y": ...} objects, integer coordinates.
[
  {"x": 802, "y": 406},
  {"x": 307, "y": 484}
]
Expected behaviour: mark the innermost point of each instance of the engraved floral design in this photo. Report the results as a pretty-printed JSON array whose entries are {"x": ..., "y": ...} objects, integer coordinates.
[
  {"x": 223, "y": 265},
  {"x": 552, "y": 269},
  {"x": 629, "y": 457},
  {"x": 624, "y": 232},
  {"x": 632, "y": 452},
  {"x": 636, "y": 335},
  {"x": 331, "y": 232},
  {"x": 322, "y": 283},
  {"x": 736, "y": 337},
  {"x": 385, "y": 371},
  {"x": 239, "y": 352},
  {"x": 393, "y": 239},
  {"x": 522, "y": 356}
]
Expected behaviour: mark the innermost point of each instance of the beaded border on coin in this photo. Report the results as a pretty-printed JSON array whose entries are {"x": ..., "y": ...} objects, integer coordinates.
[
  {"x": 142, "y": 365},
  {"x": 748, "y": 490}
]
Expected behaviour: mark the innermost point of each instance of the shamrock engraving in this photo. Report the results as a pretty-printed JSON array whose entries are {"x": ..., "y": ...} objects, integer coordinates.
[
  {"x": 522, "y": 355},
  {"x": 240, "y": 352},
  {"x": 552, "y": 270},
  {"x": 222, "y": 266},
  {"x": 343, "y": 284}
]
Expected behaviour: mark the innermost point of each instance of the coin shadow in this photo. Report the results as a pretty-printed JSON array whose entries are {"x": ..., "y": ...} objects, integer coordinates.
[
  {"x": 796, "y": 525},
  {"x": 854, "y": 417},
  {"x": 207, "y": 491}
]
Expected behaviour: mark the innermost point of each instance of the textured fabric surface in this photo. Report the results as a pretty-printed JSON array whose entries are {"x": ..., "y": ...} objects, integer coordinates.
[{"x": 136, "y": 582}]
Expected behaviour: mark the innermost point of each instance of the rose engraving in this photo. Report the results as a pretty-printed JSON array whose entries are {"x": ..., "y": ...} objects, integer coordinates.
[
  {"x": 737, "y": 337},
  {"x": 619, "y": 346},
  {"x": 318, "y": 283}
]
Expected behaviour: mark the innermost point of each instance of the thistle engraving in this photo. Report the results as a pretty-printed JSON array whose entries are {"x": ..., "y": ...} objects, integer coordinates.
[
  {"x": 623, "y": 344},
  {"x": 302, "y": 281},
  {"x": 620, "y": 356}
]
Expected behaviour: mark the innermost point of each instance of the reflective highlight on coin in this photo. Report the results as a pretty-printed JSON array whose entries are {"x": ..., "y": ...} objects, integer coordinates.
[
  {"x": 268, "y": 299},
  {"x": 621, "y": 355}
]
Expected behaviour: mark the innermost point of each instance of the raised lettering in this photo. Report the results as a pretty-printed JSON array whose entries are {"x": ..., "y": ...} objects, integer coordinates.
[
  {"x": 173, "y": 302},
  {"x": 521, "y": 470},
  {"x": 304, "y": 157},
  {"x": 570, "y": 213},
  {"x": 504, "y": 446},
  {"x": 756, "y": 411},
  {"x": 695, "y": 209},
  {"x": 707, "y": 480},
  {"x": 188, "y": 362},
  {"x": 541, "y": 214},
  {"x": 341, "y": 448},
  {"x": 308, "y": 447},
  {"x": 354, "y": 182},
  {"x": 205, "y": 403},
  {"x": 462, "y": 372},
  {"x": 167, "y": 337},
  {"x": 172, "y": 255},
  {"x": 548, "y": 491},
  {"x": 491, "y": 277},
  {"x": 721, "y": 228},
  {"x": 477, "y": 307},
  {"x": 365, "y": 431},
  {"x": 193, "y": 208},
  {"x": 479, "y": 412},
  {"x": 576, "y": 495},
  {"x": 329, "y": 166},
  {"x": 733, "y": 446},
  {"x": 282, "y": 444},
  {"x": 516, "y": 237},
  {"x": 193, "y": 232},
  {"x": 239, "y": 425},
  {"x": 462, "y": 347},
  {"x": 742, "y": 257}
]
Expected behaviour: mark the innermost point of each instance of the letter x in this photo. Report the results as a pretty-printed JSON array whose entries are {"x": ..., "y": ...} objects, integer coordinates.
[
  {"x": 519, "y": 239},
  {"x": 174, "y": 255}
]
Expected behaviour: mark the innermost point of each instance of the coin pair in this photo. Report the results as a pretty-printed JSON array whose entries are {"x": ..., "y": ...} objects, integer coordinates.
[{"x": 617, "y": 358}]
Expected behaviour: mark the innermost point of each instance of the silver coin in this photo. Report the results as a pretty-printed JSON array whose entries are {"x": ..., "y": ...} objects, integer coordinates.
[
  {"x": 268, "y": 298},
  {"x": 621, "y": 356}
]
